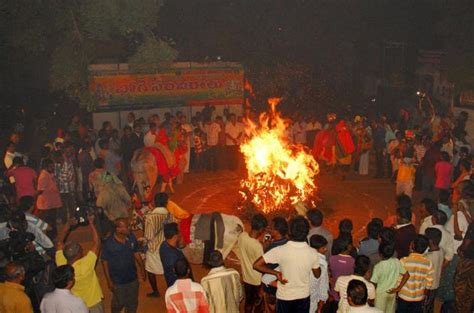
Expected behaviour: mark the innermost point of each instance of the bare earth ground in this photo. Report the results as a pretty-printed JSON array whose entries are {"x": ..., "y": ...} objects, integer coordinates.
[{"x": 357, "y": 198}]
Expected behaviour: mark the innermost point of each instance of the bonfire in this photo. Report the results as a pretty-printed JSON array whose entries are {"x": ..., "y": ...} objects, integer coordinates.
[{"x": 279, "y": 174}]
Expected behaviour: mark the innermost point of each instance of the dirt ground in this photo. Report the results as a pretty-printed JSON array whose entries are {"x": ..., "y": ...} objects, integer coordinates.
[{"x": 358, "y": 198}]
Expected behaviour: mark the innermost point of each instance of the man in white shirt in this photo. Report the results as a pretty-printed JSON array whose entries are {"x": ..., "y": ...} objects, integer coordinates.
[
  {"x": 212, "y": 130},
  {"x": 131, "y": 119},
  {"x": 460, "y": 217},
  {"x": 357, "y": 298},
  {"x": 299, "y": 132},
  {"x": 233, "y": 134},
  {"x": 150, "y": 137},
  {"x": 61, "y": 299},
  {"x": 439, "y": 219},
  {"x": 361, "y": 267},
  {"x": 297, "y": 262}
]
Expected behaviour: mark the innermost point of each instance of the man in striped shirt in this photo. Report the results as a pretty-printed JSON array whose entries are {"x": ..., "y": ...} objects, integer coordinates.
[{"x": 420, "y": 268}]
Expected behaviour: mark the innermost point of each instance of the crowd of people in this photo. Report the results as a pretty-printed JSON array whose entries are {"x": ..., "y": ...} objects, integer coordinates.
[{"x": 406, "y": 263}]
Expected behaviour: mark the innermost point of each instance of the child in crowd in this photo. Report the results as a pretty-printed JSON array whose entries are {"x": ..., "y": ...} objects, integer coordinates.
[
  {"x": 342, "y": 263},
  {"x": 385, "y": 277},
  {"x": 406, "y": 177},
  {"x": 405, "y": 232},
  {"x": 345, "y": 228},
  {"x": 428, "y": 208},
  {"x": 361, "y": 268},
  {"x": 436, "y": 255},
  {"x": 446, "y": 244},
  {"x": 403, "y": 201},
  {"x": 386, "y": 236},
  {"x": 370, "y": 244},
  {"x": 420, "y": 269},
  {"x": 443, "y": 172},
  {"x": 319, "y": 287},
  {"x": 443, "y": 203}
]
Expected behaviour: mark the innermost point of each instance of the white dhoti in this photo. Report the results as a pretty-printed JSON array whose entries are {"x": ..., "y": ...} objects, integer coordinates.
[{"x": 153, "y": 263}]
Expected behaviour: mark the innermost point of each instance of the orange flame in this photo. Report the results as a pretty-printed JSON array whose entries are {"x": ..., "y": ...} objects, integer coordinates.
[{"x": 279, "y": 174}]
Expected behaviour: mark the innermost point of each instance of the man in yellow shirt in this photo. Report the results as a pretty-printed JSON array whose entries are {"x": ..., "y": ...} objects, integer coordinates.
[
  {"x": 13, "y": 298},
  {"x": 87, "y": 285}
]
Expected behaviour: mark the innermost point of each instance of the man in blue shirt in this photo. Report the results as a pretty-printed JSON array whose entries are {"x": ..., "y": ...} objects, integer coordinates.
[
  {"x": 119, "y": 254},
  {"x": 170, "y": 252}
]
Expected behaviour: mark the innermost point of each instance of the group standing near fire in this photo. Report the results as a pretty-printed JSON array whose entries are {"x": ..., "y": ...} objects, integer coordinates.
[{"x": 291, "y": 263}]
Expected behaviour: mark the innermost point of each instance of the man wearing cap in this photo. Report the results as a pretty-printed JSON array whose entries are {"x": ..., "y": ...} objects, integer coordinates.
[{"x": 86, "y": 285}]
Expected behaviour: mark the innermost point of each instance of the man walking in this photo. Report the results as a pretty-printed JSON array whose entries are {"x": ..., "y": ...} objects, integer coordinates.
[{"x": 119, "y": 258}]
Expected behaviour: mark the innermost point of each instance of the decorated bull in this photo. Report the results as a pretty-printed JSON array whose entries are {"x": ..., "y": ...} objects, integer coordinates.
[{"x": 148, "y": 166}]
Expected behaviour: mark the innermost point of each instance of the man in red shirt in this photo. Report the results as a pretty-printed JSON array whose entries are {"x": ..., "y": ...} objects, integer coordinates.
[{"x": 25, "y": 179}]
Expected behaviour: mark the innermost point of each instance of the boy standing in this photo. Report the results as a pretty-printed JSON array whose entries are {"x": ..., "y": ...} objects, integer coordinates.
[
  {"x": 436, "y": 255},
  {"x": 412, "y": 295},
  {"x": 385, "y": 276},
  {"x": 319, "y": 287}
]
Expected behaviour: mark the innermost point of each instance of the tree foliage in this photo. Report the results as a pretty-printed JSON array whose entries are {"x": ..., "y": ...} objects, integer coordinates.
[
  {"x": 153, "y": 54},
  {"x": 69, "y": 35}
]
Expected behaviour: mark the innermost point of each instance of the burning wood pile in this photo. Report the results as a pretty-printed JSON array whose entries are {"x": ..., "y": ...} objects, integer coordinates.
[{"x": 279, "y": 174}]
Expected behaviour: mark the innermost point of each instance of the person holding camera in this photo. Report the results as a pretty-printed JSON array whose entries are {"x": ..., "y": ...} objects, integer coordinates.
[
  {"x": 61, "y": 299},
  {"x": 86, "y": 285},
  {"x": 18, "y": 222},
  {"x": 13, "y": 298}
]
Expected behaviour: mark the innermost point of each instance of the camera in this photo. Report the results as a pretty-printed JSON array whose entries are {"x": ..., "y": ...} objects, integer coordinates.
[
  {"x": 81, "y": 215},
  {"x": 420, "y": 94}
]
